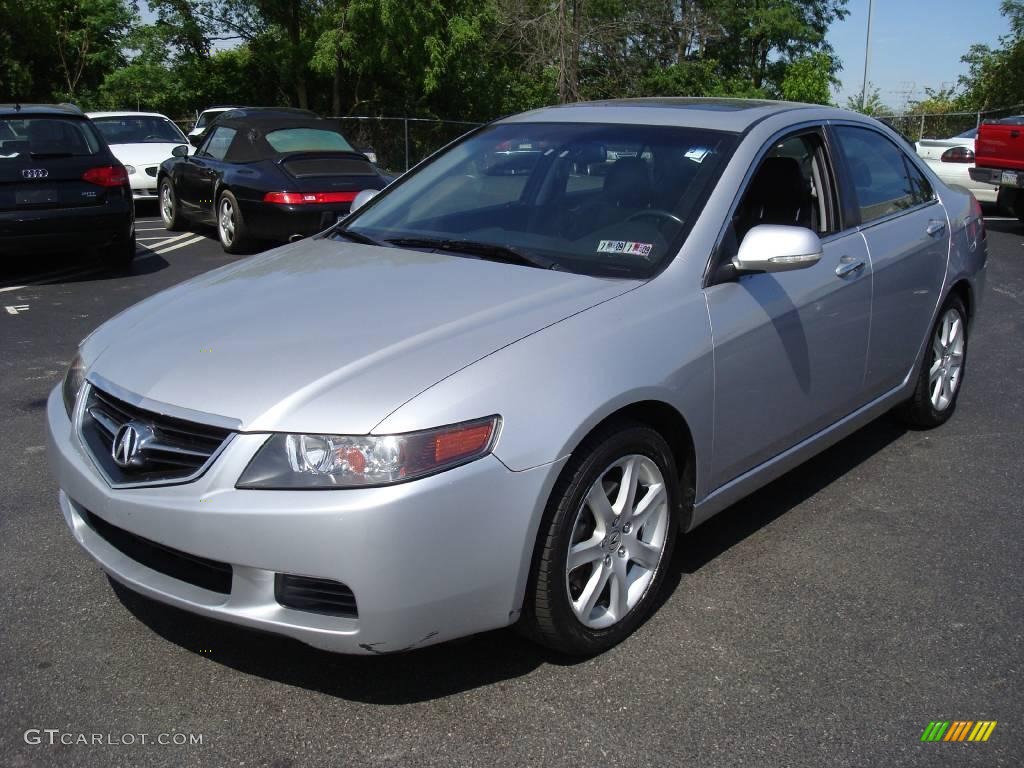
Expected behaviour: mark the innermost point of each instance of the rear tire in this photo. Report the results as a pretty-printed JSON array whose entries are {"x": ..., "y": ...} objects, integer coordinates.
[
  {"x": 620, "y": 548},
  {"x": 120, "y": 256},
  {"x": 231, "y": 228},
  {"x": 942, "y": 371},
  {"x": 169, "y": 212}
]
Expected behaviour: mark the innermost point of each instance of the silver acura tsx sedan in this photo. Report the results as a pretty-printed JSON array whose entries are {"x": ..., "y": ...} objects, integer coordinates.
[{"x": 499, "y": 390}]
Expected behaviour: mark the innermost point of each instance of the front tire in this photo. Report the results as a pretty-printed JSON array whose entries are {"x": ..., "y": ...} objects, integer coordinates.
[
  {"x": 231, "y": 228},
  {"x": 605, "y": 542},
  {"x": 942, "y": 372}
]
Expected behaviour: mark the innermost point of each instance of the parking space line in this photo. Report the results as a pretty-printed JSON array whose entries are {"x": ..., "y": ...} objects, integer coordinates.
[{"x": 196, "y": 239}]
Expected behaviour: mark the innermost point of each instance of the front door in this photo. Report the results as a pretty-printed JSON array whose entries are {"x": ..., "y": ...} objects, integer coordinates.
[{"x": 790, "y": 347}]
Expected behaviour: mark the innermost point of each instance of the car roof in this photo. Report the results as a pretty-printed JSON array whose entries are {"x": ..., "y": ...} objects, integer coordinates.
[
  {"x": 235, "y": 113},
  {"x": 125, "y": 114},
  {"x": 24, "y": 110},
  {"x": 736, "y": 115}
]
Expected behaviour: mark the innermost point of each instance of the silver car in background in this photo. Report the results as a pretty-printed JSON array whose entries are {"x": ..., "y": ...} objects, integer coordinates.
[{"x": 499, "y": 390}]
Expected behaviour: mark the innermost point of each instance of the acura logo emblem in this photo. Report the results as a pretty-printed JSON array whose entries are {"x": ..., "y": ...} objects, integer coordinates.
[
  {"x": 35, "y": 173},
  {"x": 129, "y": 442}
]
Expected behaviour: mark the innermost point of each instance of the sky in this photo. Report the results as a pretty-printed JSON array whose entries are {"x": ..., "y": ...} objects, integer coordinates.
[{"x": 914, "y": 44}]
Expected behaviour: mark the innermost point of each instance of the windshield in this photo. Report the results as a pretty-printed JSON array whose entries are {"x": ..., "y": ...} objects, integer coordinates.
[
  {"x": 591, "y": 198},
  {"x": 46, "y": 137},
  {"x": 139, "y": 130},
  {"x": 307, "y": 140}
]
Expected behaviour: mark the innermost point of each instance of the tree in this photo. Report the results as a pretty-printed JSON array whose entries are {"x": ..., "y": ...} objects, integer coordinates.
[
  {"x": 873, "y": 104},
  {"x": 810, "y": 79},
  {"x": 995, "y": 77}
]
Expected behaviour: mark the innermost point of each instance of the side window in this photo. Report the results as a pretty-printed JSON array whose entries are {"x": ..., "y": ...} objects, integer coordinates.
[
  {"x": 919, "y": 186},
  {"x": 792, "y": 186},
  {"x": 218, "y": 143},
  {"x": 881, "y": 173}
]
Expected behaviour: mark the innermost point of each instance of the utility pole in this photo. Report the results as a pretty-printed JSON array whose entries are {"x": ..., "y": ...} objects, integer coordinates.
[{"x": 867, "y": 57}]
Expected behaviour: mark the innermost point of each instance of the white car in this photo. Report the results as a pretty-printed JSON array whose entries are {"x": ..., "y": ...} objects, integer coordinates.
[
  {"x": 952, "y": 159},
  {"x": 205, "y": 118},
  {"x": 141, "y": 141}
]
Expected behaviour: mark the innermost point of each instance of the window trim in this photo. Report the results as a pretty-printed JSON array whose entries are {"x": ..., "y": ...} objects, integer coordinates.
[
  {"x": 819, "y": 127},
  {"x": 204, "y": 149},
  {"x": 847, "y": 177}
]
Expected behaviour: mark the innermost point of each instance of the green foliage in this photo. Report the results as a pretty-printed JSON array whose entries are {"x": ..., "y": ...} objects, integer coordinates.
[
  {"x": 995, "y": 77},
  {"x": 873, "y": 104},
  {"x": 810, "y": 79}
]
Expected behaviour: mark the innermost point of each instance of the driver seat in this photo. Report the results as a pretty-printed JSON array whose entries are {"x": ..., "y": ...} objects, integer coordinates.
[{"x": 628, "y": 184}]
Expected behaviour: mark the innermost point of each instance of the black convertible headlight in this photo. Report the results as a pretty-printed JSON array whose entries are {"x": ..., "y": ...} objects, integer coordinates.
[
  {"x": 353, "y": 461},
  {"x": 73, "y": 381}
]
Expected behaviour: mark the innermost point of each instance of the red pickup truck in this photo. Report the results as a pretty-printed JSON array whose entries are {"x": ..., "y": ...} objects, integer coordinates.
[{"x": 999, "y": 159}]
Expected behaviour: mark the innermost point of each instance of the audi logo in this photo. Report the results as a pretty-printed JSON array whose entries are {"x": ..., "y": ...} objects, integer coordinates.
[{"x": 35, "y": 173}]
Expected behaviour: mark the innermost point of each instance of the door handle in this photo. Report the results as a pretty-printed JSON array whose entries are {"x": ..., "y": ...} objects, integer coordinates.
[
  {"x": 848, "y": 266},
  {"x": 935, "y": 226}
]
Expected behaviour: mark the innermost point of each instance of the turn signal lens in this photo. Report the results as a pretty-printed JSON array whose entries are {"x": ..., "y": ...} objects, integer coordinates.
[
  {"x": 353, "y": 461},
  {"x": 107, "y": 176},
  {"x": 307, "y": 198}
]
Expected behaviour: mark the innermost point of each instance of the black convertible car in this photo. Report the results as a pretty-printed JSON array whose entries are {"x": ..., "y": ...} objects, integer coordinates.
[{"x": 265, "y": 175}]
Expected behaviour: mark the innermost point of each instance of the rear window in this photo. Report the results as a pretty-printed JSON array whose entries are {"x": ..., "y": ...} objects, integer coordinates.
[
  {"x": 307, "y": 140},
  {"x": 46, "y": 137},
  {"x": 142, "y": 129}
]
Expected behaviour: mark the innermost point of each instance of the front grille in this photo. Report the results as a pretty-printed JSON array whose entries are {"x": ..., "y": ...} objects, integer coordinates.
[
  {"x": 192, "y": 569},
  {"x": 175, "y": 450},
  {"x": 302, "y": 169},
  {"x": 314, "y": 595}
]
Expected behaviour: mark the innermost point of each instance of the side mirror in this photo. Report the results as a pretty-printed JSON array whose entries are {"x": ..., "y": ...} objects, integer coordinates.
[
  {"x": 180, "y": 151},
  {"x": 362, "y": 199},
  {"x": 777, "y": 248}
]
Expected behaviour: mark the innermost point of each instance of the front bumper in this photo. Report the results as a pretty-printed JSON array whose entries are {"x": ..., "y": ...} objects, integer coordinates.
[
  {"x": 427, "y": 561},
  {"x": 144, "y": 182}
]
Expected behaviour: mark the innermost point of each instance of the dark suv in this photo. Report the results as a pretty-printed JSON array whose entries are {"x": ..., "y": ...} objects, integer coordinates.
[{"x": 60, "y": 186}]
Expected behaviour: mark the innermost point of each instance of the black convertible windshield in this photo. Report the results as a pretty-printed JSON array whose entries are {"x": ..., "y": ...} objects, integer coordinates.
[
  {"x": 597, "y": 199},
  {"x": 141, "y": 129}
]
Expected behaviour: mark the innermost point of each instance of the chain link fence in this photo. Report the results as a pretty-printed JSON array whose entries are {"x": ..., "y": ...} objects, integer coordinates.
[{"x": 946, "y": 124}]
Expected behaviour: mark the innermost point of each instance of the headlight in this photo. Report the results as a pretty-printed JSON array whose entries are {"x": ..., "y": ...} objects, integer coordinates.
[
  {"x": 342, "y": 461},
  {"x": 73, "y": 381},
  {"x": 130, "y": 169}
]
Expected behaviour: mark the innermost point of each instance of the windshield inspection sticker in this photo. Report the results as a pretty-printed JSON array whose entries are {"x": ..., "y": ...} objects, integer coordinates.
[{"x": 625, "y": 246}]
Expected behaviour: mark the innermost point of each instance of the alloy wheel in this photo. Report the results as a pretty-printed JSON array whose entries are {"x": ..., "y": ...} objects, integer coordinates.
[
  {"x": 166, "y": 204},
  {"x": 947, "y": 359},
  {"x": 226, "y": 222},
  {"x": 618, "y": 540}
]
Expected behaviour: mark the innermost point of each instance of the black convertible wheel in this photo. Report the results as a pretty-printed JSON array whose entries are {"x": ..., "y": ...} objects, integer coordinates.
[
  {"x": 169, "y": 207},
  {"x": 605, "y": 542},
  {"x": 231, "y": 227}
]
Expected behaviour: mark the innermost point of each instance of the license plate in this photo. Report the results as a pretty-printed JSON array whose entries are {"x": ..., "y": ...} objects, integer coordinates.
[
  {"x": 1009, "y": 178},
  {"x": 35, "y": 196}
]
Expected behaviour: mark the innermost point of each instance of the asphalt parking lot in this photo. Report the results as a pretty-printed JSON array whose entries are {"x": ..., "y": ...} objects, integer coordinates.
[{"x": 822, "y": 622}]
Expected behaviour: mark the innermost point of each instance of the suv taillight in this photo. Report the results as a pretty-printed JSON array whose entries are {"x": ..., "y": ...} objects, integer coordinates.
[
  {"x": 107, "y": 176},
  {"x": 958, "y": 155}
]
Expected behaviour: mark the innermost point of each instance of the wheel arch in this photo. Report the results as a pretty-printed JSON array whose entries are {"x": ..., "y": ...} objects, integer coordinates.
[
  {"x": 666, "y": 420},
  {"x": 962, "y": 289}
]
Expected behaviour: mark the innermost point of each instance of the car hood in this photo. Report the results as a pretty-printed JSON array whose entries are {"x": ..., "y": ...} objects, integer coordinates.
[
  {"x": 141, "y": 155},
  {"x": 328, "y": 336}
]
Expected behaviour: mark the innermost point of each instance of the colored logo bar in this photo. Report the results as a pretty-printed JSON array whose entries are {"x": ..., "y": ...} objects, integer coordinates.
[{"x": 958, "y": 730}]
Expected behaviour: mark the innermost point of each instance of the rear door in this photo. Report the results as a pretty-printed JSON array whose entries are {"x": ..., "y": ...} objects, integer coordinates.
[
  {"x": 43, "y": 159},
  {"x": 907, "y": 234}
]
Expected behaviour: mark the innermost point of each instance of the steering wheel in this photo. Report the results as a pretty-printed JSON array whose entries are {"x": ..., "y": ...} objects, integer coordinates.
[{"x": 655, "y": 213}]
